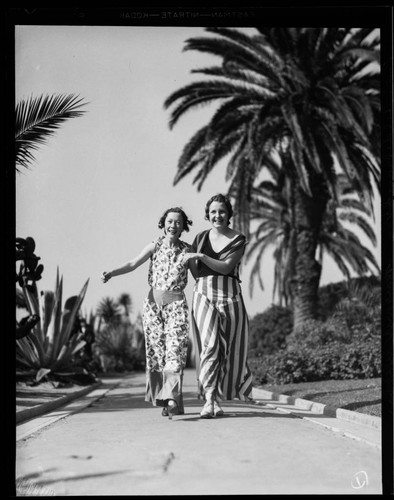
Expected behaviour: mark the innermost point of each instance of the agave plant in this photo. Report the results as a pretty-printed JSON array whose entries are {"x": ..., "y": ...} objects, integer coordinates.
[{"x": 50, "y": 348}]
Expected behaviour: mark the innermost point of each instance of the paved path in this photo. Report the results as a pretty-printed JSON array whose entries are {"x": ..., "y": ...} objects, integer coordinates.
[{"x": 110, "y": 442}]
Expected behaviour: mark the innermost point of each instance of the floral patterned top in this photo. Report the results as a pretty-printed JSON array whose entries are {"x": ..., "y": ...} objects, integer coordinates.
[{"x": 167, "y": 270}]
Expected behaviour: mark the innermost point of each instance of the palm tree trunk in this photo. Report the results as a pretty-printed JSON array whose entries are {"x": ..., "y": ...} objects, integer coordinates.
[
  {"x": 305, "y": 284},
  {"x": 292, "y": 241}
]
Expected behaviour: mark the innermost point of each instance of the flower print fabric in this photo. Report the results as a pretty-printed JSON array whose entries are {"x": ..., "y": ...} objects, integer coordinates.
[
  {"x": 166, "y": 325},
  {"x": 167, "y": 270},
  {"x": 166, "y": 330}
]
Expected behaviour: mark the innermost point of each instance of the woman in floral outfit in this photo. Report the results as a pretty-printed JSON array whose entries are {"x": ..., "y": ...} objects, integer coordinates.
[{"x": 165, "y": 311}]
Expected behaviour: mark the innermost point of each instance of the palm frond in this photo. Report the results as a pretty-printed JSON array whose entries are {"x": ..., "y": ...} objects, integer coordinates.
[
  {"x": 37, "y": 119},
  {"x": 298, "y": 104}
]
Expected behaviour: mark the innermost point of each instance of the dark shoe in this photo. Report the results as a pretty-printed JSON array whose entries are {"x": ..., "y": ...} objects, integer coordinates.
[
  {"x": 217, "y": 409},
  {"x": 172, "y": 409},
  {"x": 164, "y": 412}
]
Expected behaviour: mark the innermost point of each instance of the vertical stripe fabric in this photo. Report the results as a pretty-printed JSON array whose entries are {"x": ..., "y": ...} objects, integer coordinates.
[{"x": 221, "y": 329}]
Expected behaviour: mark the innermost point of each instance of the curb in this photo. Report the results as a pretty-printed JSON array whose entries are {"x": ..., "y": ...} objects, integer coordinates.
[
  {"x": 76, "y": 402},
  {"x": 320, "y": 408},
  {"x": 303, "y": 404},
  {"x": 35, "y": 411}
]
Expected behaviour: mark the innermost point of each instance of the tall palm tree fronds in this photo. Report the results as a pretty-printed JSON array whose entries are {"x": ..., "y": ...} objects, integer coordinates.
[
  {"x": 271, "y": 211},
  {"x": 311, "y": 95},
  {"x": 282, "y": 85},
  {"x": 272, "y": 215},
  {"x": 37, "y": 119}
]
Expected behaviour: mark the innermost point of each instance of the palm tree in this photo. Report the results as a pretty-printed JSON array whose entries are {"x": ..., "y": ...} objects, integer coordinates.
[
  {"x": 310, "y": 95},
  {"x": 38, "y": 118},
  {"x": 108, "y": 311},
  {"x": 338, "y": 239},
  {"x": 271, "y": 211},
  {"x": 35, "y": 120},
  {"x": 126, "y": 302}
]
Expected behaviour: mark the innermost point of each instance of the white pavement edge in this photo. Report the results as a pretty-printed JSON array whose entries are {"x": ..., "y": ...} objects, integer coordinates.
[
  {"x": 321, "y": 408},
  {"x": 39, "y": 409},
  {"x": 365, "y": 428},
  {"x": 25, "y": 429}
]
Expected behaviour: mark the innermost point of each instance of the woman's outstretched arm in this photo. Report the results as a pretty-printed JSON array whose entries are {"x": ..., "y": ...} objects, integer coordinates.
[{"x": 131, "y": 265}]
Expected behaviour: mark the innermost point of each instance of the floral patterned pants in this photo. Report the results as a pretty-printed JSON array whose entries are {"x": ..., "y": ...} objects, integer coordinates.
[{"x": 166, "y": 329}]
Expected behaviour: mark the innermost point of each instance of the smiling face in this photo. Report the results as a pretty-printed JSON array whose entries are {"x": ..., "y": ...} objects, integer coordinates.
[
  {"x": 218, "y": 214},
  {"x": 173, "y": 225}
]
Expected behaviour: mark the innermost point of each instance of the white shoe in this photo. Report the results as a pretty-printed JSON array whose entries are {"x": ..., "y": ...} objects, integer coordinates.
[{"x": 207, "y": 411}]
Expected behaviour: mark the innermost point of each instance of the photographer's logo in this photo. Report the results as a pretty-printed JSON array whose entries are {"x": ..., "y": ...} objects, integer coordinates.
[{"x": 359, "y": 480}]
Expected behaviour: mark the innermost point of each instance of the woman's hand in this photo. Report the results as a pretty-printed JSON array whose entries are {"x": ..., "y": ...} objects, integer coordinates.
[
  {"x": 191, "y": 255},
  {"x": 105, "y": 277}
]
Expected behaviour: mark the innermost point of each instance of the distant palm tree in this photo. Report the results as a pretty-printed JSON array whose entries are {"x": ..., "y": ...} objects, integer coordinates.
[
  {"x": 126, "y": 302},
  {"x": 271, "y": 211},
  {"x": 108, "y": 311},
  {"x": 309, "y": 94},
  {"x": 338, "y": 237},
  {"x": 38, "y": 118}
]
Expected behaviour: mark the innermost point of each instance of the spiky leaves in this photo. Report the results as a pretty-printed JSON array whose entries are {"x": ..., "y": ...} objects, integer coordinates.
[
  {"x": 313, "y": 90},
  {"x": 50, "y": 348},
  {"x": 311, "y": 95},
  {"x": 345, "y": 220},
  {"x": 37, "y": 119}
]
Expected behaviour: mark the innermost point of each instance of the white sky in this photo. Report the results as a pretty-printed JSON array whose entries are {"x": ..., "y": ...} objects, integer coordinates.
[{"x": 95, "y": 193}]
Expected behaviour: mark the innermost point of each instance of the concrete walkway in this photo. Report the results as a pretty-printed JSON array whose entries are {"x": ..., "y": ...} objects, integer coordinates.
[{"x": 110, "y": 442}]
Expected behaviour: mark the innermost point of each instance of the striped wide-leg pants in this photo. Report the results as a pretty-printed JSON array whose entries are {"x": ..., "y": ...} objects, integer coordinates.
[{"x": 221, "y": 329}]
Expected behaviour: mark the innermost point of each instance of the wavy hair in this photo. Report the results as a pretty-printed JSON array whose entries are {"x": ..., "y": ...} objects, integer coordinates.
[
  {"x": 220, "y": 198},
  {"x": 186, "y": 221}
]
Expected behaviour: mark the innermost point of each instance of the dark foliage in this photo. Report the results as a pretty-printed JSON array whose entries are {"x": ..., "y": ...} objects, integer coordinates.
[
  {"x": 346, "y": 345},
  {"x": 330, "y": 295},
  {"x": 268, "y": 330}
]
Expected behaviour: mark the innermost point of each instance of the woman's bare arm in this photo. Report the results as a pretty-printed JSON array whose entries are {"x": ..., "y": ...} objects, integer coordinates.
[
  {"x": 220, "y": 266},
  {"x": 131, "y": 265}
]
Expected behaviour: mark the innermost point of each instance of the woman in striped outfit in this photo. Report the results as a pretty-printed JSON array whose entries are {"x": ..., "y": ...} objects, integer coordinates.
[
  {"x": 165, "y": 314},
  {"x": 219, "y": 318}
]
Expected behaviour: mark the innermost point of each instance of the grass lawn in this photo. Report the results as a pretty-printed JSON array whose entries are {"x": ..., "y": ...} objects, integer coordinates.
[{"x": 361, "y": 395}]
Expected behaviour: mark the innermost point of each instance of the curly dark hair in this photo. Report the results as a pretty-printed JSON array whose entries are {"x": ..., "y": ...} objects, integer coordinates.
[
  {"x": 221, "y": 198},
  {"x": 186, "y": 221}
]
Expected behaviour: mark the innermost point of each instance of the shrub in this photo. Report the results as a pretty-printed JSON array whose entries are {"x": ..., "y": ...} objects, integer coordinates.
[
  {"x": 344, "y": 343},
  {"x": 115, "y": 343},
  {"x": 315, "y": 333},
  {"x": 366, "y": 288},
  {"x": 329, "y": 296},
  {"x": 306, "y": 363},
  {"x": 268, "y": 330}
]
